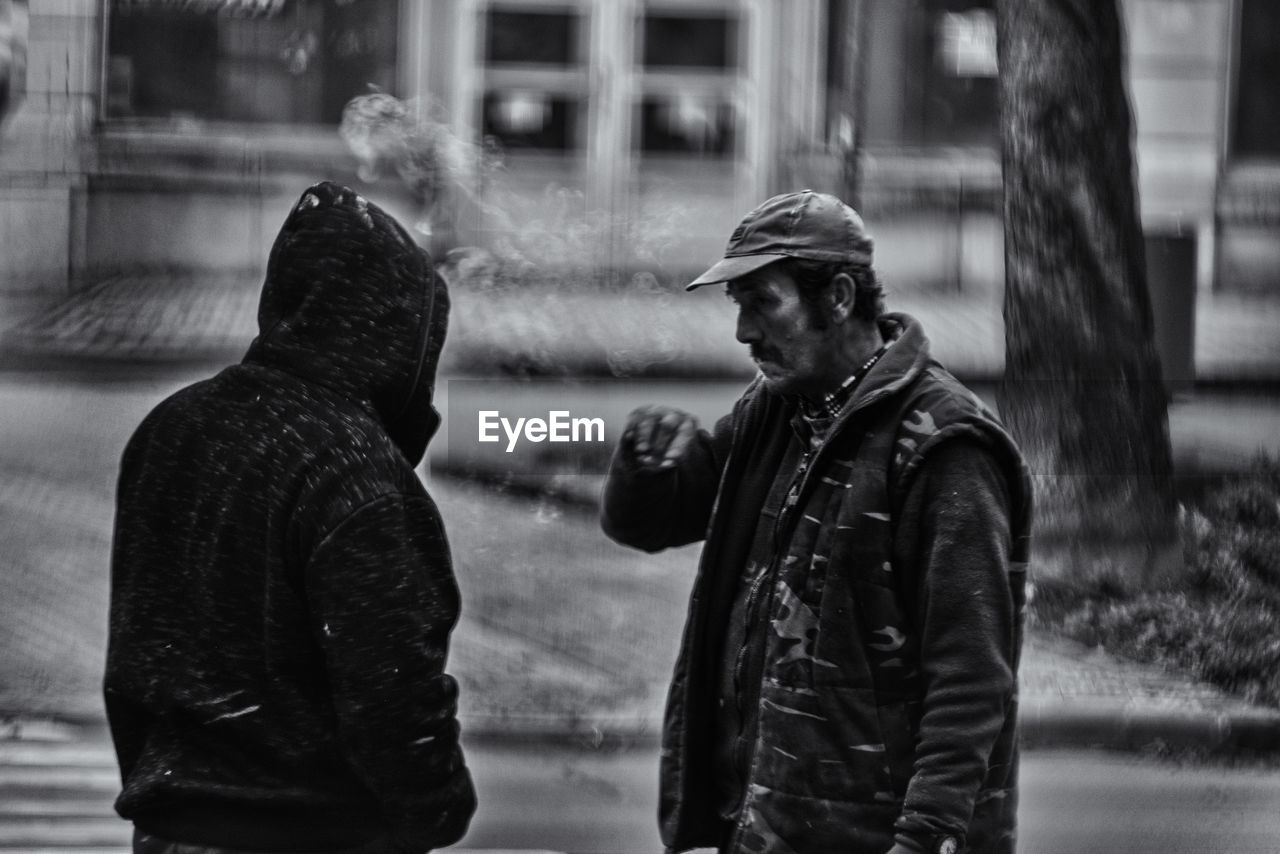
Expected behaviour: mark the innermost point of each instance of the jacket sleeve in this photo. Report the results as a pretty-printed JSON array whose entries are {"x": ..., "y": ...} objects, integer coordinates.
[
  {"x": 655, "y": 509},
  {"x": 954, "y": 535},
  {"x": 384, "y": 601}
]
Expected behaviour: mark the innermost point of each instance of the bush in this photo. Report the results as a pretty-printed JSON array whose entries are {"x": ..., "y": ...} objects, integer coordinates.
[{"x": 1221, "y": 624}]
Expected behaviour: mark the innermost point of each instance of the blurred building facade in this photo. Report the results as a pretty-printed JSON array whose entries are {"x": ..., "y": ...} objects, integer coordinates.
[{"x": 173, "y": 134}]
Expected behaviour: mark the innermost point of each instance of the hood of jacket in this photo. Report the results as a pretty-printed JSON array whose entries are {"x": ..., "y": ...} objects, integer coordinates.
[{"x": 352, "y": 303}]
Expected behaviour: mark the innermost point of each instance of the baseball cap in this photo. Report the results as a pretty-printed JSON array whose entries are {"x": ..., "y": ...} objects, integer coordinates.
[{"x": 815, "y": 226}]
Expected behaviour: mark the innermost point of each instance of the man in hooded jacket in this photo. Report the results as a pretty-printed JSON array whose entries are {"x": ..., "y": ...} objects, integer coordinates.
[{"x": 282, "y": 591}]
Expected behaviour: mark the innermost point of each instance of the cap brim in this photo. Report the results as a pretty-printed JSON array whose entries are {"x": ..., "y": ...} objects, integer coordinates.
[{"x": 728, "y": 269}]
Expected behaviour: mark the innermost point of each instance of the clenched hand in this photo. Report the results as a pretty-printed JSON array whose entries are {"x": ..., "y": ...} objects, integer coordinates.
[{"x": 656, "y": 436}]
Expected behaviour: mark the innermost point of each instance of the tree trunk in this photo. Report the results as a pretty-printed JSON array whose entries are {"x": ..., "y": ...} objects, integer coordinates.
[{"x": 1082, "y": 390}]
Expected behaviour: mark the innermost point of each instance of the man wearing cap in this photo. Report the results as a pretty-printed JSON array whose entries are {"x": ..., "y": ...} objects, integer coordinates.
[{"x": 847, "y": 677}]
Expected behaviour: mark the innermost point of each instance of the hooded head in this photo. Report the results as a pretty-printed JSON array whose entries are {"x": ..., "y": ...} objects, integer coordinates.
[{"x": 352, "y": 303}]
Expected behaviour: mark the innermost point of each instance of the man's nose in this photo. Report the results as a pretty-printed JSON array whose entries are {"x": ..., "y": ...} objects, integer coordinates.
[{"x": 747, "y": 331}]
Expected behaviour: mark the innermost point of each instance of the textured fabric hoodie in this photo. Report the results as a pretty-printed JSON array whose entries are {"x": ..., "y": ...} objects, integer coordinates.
[{"x": 282, "y": 591}]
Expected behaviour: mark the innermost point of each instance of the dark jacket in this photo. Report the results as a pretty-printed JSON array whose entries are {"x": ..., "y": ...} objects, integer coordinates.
[
  {"x": 883, "y": 701},
  {"x": 282, "y": 591}
]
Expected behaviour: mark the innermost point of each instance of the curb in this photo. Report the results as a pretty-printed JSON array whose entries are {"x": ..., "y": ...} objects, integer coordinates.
[
  {"x": 603, "y": 733},
  {"x": 1043, "y": 725},
  {"x": 1125, "y": 727}
]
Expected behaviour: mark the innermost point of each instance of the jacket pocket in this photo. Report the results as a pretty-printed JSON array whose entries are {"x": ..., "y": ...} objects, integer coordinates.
[{"x": 825, "y": 743}]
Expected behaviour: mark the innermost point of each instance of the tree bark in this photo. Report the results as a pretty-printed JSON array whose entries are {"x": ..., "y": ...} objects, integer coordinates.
[{"x": 1082, "y": 390}]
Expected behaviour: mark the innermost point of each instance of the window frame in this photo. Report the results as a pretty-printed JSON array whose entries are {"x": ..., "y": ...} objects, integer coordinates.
[
  {"x": 217, "y": 150},
  {"x": 723, "y": 85},
  {"x": 571, "y": 82}
]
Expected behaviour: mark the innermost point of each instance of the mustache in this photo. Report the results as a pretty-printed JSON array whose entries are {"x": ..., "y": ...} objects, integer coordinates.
[{"x": 763, "y": 354}]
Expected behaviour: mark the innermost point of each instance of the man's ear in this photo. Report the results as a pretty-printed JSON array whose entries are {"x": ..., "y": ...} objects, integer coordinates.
[{"x": 841, "y": 295}]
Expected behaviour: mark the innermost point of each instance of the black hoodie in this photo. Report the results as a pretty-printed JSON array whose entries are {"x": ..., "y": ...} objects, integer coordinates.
[{"x": 282, "y": 591}]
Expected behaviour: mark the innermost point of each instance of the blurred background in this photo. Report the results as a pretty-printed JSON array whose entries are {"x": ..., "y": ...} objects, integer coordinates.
[
  {"x": 150, "y": 146},
  {"x": 569, "y": 164}
]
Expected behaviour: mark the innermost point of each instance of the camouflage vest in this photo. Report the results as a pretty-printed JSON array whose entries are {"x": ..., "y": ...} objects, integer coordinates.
[{"x": 839, "y": 707}]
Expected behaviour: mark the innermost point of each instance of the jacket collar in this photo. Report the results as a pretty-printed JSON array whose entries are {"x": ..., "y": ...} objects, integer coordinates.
[
  {"x": 898, "y": 368},
  {"x": 901, "y": 365}
]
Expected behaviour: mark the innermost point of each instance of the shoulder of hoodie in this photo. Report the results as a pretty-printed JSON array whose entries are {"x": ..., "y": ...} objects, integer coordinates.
[
  {"x": 347, "y": 461},
  {"x": 332, "y": 436},
  {"x": 353, "y": 442}
]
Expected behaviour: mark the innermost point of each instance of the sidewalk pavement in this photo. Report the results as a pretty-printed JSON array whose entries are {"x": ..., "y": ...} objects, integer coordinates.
[
  {"x": 1074, "y": 696},
  {"x": 1070, "y": 695}
]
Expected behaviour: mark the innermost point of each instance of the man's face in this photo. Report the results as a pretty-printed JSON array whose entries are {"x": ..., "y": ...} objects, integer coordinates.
[{"x": 794, "y": 355}]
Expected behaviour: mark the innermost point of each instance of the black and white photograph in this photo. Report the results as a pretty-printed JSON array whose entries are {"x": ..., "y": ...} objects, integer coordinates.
[{"x": 639, "y": 426}]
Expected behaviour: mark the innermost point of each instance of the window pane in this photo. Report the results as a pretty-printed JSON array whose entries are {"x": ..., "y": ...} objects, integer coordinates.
[
  {"x": 1257, "y": 129},
  {"x": 162, "y": 64},
  {"x": 687, "y": 41},
  {"x": 287, "y": 62},
  {"x": 542, "y": 38},
  {"x": 532, "y": 120},
  {"x": 686, "y": 124},
  {"x": 966, "y": 43},
  {"x": 959, "y": 104}
]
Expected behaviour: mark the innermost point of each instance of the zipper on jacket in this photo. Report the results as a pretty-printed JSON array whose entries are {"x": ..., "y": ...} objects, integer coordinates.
[
  {"x": 788, "y": 503},
  {"x": 751, "y": 725},
  {"x": 799, "y": 480},
  {"x": 753, "y": 730},
  {"x": 748, "y": 611}
]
